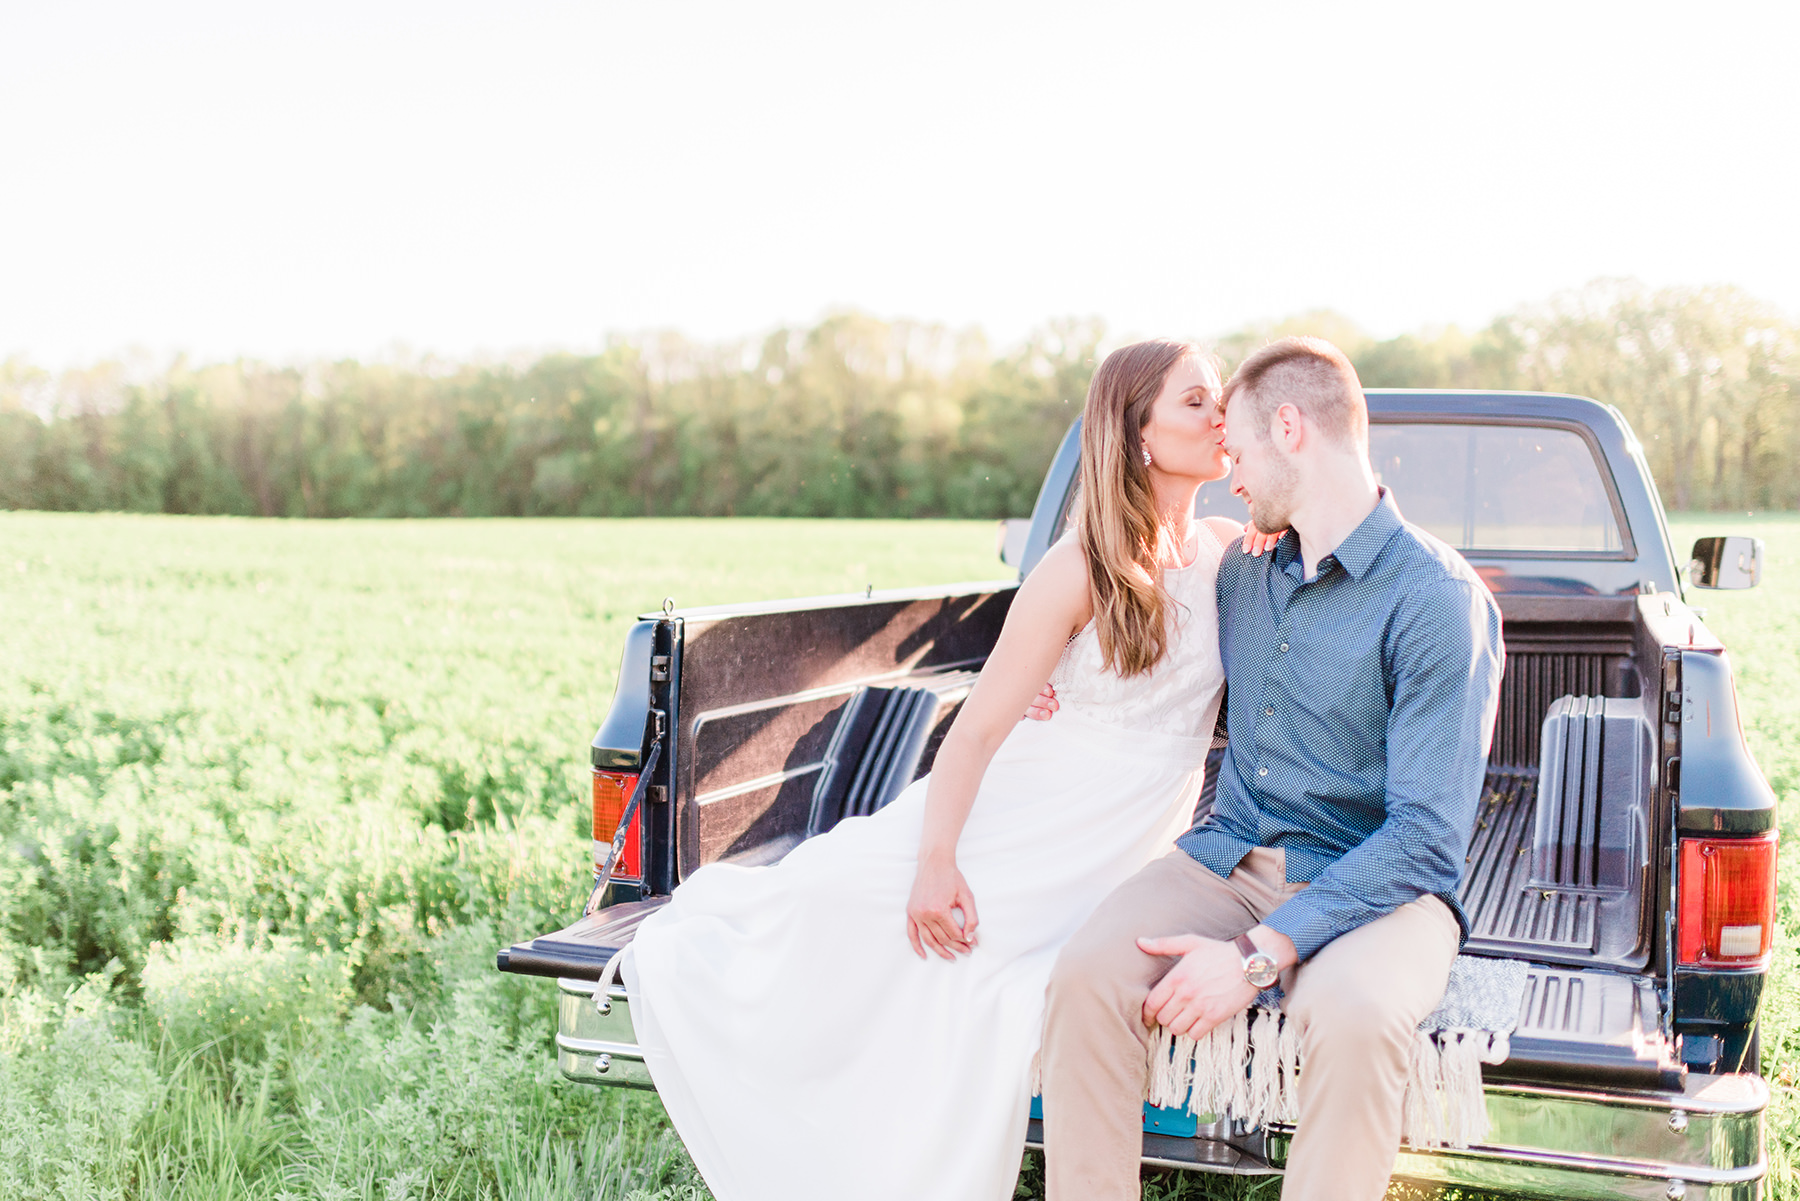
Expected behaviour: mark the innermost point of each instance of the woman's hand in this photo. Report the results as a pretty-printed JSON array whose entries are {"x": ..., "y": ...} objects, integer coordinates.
[
  {"x": 940, "y": 914},
  {"x": 1256, "y": 542}
]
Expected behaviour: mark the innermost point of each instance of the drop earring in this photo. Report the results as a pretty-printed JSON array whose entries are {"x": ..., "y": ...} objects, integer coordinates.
[{"x": 1146, "y": 456}]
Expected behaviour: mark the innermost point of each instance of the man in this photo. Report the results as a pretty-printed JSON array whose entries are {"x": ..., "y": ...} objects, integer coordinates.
[{"x": 1363, "y": 663}]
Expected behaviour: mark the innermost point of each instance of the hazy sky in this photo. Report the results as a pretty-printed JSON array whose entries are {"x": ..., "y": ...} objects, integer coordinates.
[{"x": 288, "y": 180}]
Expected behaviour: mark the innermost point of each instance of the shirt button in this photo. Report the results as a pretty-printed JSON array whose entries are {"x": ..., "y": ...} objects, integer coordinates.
[
  {"x": 1284, "y": 648},
  {"x": 1269, "y": 711},
  {"x": 1262, "y": 771}
]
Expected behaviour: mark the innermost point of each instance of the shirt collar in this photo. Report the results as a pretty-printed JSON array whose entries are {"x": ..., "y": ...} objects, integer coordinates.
[{"x": 1357, "y": 552}]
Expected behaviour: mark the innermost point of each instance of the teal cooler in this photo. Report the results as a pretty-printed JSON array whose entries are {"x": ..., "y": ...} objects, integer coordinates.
[{"x": 1174, "y": 1121}]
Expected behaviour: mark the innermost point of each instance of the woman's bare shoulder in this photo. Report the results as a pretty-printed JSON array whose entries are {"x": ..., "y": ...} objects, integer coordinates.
[
  {"x": 1224, "y": 529},
  {"x": 1063, "y": 568},
  {"x": 1059, "y": 582}
]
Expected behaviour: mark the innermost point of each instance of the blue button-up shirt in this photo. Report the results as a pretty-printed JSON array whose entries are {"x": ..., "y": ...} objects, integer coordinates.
[{"x": 1360, "y": 707}]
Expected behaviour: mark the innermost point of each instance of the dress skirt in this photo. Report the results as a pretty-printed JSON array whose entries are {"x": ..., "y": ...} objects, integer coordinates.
[{"x": 803, "y": 1051}]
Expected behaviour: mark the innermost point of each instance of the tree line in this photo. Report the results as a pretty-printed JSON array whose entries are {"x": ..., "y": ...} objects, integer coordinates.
[{"x": 853, "y": 417}]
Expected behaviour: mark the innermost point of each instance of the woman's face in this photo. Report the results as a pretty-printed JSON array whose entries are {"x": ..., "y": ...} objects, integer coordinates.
[{"x": 1184, "y": 432}]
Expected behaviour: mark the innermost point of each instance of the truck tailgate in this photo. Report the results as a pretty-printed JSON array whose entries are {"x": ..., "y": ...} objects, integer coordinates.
[
  {"x": 1592, "y": 1029},
  {"x": 580, "y": 951}
]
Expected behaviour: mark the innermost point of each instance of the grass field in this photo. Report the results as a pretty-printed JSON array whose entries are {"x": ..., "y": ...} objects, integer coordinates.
[{"x": 274, "y": 792}]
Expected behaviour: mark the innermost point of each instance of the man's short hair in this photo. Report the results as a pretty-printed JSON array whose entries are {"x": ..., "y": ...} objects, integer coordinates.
[{"x": 1312, "y": 375}]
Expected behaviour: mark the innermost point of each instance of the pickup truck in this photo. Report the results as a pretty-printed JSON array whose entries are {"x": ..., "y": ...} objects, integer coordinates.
[{"x": 1624, "y": 848}]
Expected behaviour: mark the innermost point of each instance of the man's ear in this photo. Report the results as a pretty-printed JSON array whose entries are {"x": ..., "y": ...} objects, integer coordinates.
[{"x": 1288, "y": 427}]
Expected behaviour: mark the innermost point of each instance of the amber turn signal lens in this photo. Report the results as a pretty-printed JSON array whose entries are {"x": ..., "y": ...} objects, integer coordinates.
[
  {"x": 1727, "y": 908},
  {"x": 612, "y": 792}
]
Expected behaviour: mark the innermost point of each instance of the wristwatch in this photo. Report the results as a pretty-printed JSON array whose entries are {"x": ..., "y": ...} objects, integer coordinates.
[{"x": 1259, "y": 966}]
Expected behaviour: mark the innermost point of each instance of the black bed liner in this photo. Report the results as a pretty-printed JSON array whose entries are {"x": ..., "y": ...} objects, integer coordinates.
[
  {"x": 1561, "y": 885},
  {"x": 1564, "y": 881}
]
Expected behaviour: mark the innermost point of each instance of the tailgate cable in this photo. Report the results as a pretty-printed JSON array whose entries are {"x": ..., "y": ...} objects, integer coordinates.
[
  {"x": 603, "y": 1003},
  {"x": 618, "y": 843}
]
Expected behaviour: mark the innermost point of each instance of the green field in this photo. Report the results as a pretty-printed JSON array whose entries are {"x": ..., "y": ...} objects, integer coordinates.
[{"x": 275, "y": 791}]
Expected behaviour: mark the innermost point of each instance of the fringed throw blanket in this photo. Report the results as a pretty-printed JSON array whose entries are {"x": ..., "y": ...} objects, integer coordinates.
[{"x": 1249, "y": 1068}]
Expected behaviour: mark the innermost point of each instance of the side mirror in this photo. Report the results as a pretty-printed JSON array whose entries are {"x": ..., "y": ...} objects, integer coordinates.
[
  {"x": 1013, "y": 532},
  {"x": 1726, "y": 563}
]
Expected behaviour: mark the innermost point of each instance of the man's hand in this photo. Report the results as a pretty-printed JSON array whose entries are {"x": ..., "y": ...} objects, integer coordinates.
[
  {"x": 1202, "y": 990},
  {"x": 1043, "y": 704}
]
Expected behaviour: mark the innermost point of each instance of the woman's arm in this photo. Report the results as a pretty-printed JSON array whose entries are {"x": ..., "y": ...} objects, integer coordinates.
[
  {"x": 1050, "y": 607},
  {"x": 1043, "y": 706}
]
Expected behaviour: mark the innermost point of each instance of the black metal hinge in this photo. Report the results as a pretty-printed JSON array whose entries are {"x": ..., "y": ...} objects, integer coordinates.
[{"x": 1671, "y": 687}]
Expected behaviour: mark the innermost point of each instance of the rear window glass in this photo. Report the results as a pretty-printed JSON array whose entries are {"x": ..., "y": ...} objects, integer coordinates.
[
  {"x": 1497, "y": 487},
  {"x": 1484, "y": 487}
]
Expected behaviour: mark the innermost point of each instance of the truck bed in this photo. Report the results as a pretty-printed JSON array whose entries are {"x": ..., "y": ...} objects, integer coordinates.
[
  {"x": 845, "y": 734},
  {"x": 1514, "y": 913},
  {"x": 1563, "y": 877}
]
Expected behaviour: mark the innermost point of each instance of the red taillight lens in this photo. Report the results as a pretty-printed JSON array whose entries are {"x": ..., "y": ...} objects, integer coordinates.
[
  {"x": 612, "y": 791},
  {"x": 1727, "y": 913}
]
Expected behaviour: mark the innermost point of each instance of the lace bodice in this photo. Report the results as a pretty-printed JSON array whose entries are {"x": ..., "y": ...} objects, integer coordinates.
[{"x": 1180, "y": 694}]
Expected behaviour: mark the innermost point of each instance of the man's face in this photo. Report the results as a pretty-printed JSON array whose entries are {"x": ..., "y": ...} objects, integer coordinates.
[{"x": 1262, "y": 474}]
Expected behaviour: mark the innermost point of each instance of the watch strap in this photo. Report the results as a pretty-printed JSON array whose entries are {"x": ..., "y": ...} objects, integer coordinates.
[{"x": 1245, "y": 947}]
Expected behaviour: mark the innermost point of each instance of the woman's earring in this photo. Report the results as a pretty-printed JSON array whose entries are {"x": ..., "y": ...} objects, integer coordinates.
[{"x": 1146, "y": 456}]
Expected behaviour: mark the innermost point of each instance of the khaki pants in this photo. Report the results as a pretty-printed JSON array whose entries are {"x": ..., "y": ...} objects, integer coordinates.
[{"x": 1357, "y": 1002}]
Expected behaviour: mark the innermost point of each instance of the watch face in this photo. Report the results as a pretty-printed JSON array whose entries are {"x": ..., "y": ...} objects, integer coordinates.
[{"x": 1260, "y": 970}]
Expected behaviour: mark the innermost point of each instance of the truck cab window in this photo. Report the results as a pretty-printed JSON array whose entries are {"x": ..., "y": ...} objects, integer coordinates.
[
  {"x": 1482, "y": 487},
  {"x": 1498, "y": 487}
]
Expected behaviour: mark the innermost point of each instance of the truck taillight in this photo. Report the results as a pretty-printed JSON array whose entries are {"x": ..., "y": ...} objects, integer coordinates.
[
  {"x": 1727, "y": 901},
  {"x": 612, "y": 790}
]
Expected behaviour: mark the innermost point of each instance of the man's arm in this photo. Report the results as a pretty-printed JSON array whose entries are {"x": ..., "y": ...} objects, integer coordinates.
[{"x": 1447, "y": 661}]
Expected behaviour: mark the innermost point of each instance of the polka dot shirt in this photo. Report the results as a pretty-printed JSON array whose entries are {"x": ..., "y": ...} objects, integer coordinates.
[{"x": 1360, "y": 707}]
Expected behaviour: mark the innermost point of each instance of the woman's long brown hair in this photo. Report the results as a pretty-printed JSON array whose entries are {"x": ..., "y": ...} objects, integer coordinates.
[{"x": 1115, "y": 515}]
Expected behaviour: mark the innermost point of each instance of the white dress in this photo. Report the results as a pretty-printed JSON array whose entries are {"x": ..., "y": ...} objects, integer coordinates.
[{"x": 803, "y": 1051}]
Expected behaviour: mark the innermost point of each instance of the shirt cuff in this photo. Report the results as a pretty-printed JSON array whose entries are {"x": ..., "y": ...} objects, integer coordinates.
[{"x": 1303, "y": 924}]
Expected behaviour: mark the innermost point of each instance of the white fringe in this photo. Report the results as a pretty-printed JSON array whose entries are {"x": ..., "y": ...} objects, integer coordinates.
[
  {"x": 1166, "y": 1056},
  {"x": 1422, "y": 1113},
  {"x": 1218, "y": 1054},
  {"x": 1461, "y": 1060},
  {"x": 1240, "y": 1056},
  {"x": 1265, "y": 1067},
  {"x": 1290, "y": 1072},
  {"x": 1249, "y": 1069}
]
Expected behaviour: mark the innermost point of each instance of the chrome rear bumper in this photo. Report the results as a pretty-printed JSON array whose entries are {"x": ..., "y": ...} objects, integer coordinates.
[
  {"x": 594, "y": 1047},
  {"x": 1703, "y": 1142}
]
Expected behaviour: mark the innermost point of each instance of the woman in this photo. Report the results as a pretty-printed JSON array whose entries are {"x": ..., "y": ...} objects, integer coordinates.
[{"x": 802, "y": 1048}]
